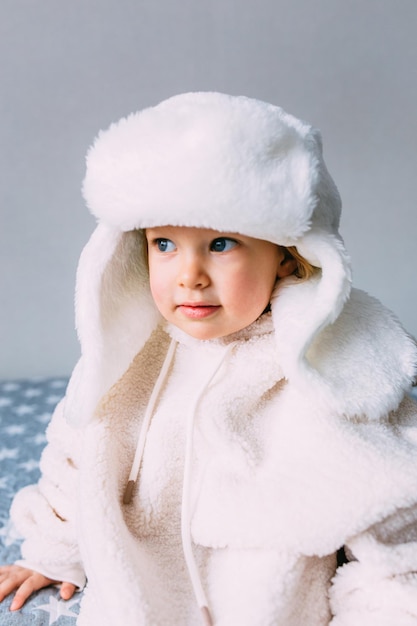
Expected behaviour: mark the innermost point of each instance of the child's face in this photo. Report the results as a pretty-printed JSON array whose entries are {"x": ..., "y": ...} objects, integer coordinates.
[{"x": 211, "y": 284}]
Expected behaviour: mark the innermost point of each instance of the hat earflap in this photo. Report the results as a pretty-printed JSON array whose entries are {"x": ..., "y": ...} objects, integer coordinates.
[
  {"x": 301, "y": 309},
  {"x": 115, "y": 315}
]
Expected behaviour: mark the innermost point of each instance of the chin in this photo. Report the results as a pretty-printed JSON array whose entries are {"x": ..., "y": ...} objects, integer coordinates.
[{"x": 204, "y": 334}]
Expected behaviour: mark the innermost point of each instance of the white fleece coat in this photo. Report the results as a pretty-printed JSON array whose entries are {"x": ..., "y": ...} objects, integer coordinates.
[
  {"x": 281, "y": 478},
  {"x": 302, "y": 442}
]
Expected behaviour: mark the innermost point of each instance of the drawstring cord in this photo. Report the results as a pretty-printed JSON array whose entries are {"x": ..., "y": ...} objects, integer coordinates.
[
  {"x": 134, "y": 472},
  {"x": 185, "y": 505},
  {"x": 186, "y": 489}
]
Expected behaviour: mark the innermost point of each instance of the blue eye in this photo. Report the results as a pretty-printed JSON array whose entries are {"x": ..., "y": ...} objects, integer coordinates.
[
  {"x": 165, "y": 245},
  {"x": 222, "y": 244}
]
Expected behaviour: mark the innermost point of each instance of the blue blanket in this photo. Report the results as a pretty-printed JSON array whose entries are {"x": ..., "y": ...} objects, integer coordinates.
[{"x": 25, "y": 410}]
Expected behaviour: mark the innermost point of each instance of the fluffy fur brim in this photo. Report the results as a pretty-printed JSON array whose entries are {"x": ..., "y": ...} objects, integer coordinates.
[{"x": 210, "y": 160}]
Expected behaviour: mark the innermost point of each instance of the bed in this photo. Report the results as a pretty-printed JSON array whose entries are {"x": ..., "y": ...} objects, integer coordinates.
[{"x": 25, "y": 409}]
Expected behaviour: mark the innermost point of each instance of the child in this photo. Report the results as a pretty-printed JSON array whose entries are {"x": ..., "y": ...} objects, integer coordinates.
[{"x": 238, "y": 414}]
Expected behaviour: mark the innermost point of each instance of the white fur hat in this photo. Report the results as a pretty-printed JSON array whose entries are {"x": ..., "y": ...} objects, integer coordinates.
[{"x": 206, "y": 160}]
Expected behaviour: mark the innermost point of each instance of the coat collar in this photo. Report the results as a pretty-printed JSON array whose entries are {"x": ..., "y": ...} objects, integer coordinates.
[{"x": 360, "y": 364}]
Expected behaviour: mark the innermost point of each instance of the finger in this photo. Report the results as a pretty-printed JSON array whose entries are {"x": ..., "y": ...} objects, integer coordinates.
[
  {"x": 31, "y": 584},
  {"x": 6, "y": 587},
  {"x": 13, "y": 572},
  {"x": 17, "y": 602},
  {"x": 9, "y": 582},
  {"x": 67, "y": 590}
]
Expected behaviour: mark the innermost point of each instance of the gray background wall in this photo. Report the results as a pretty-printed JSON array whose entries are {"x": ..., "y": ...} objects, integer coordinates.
[{"x": 70, "y": 67}]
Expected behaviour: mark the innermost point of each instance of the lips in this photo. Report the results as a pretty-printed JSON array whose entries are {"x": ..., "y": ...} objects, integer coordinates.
[{"x": 198, "y": 310}]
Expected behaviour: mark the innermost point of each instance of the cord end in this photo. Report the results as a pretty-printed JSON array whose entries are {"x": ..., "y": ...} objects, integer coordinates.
[
  {"x": 206, "y": 616},
  {"x": 128, "y": 494}
]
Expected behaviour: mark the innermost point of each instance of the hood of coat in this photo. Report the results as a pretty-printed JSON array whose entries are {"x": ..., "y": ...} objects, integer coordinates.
[{"x": 206, "y": 160}]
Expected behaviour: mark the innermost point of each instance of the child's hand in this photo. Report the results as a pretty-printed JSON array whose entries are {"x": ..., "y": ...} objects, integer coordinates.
[{"x": 26, "y": 581}]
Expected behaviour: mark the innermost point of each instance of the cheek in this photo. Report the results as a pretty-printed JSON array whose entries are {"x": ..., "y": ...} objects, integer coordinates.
[
  {"x": 260, "y": 279},
  {"x": 256, "y": 288},
  {"x": 251, "y": 291},
  {"x": 157, "y": 283}
]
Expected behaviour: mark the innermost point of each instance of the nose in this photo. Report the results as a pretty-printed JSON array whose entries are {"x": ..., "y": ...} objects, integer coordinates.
[{"x": 193, "y": 273}]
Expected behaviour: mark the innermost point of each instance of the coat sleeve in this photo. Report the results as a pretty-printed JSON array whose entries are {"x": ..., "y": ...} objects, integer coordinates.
[
  {"x": 45, "y": 513},
  {"x": 378, "y": 587}
]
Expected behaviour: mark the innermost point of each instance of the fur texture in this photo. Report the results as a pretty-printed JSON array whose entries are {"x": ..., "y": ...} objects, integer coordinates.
[
  {"x": 212, "y": 160},
  {"x": 205, "y": 160}
]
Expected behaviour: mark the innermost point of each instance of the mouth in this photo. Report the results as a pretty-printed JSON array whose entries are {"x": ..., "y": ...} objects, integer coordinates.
[{"x": 198, "y": 310}]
